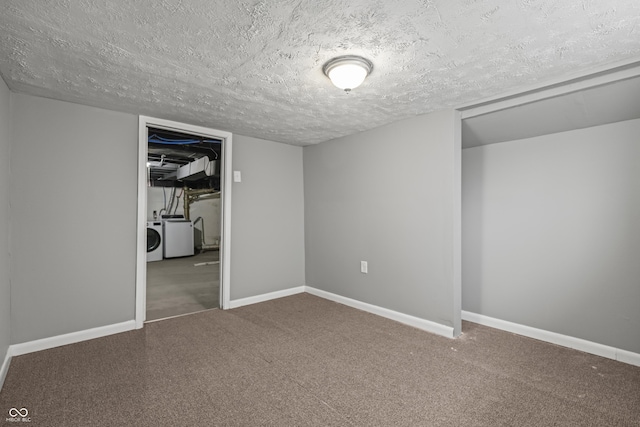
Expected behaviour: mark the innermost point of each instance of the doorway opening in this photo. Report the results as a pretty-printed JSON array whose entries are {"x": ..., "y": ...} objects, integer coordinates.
[
  {"x": 183, "y": 223},
  {"x": 183, "y": 216}
]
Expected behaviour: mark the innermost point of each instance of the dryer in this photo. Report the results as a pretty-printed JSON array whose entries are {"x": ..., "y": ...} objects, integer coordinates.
[
  {"x": 155, "y": 246},
  {"x": 178, "y": 238}
]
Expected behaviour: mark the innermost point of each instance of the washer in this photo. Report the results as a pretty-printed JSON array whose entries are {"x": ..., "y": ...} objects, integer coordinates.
[
  {"x": 155, "y": 247},
  {"x": 178, "y": 238}
]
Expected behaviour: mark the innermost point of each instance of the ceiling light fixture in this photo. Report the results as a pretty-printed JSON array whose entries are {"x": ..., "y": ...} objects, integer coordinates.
[{"x": 347, "y": 72}]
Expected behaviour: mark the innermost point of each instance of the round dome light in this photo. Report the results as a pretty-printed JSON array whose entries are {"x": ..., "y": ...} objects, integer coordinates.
[{"x": 347, "y": 72}]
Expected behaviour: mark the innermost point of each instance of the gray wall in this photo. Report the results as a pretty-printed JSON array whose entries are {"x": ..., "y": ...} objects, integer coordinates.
[
  {"x": 74, "y": 198},
  {"x": 5, "y": 291},
  {"x": 73, "y": 209},
  {"x": 551, "y": 235},
  {"x": 267, "y": 225},
  {"x": 385, "y": 196}
]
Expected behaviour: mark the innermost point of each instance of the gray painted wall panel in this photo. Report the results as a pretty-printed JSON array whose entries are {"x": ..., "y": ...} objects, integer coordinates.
[
  {"x": 74, "y": 174},
  {"x": 74, "y": 192},
  {"x": 5, "y": 149},
  {"x": 385, "y": 196},
  {"x": 551, "y": 234},
  {"x": 267, "y": 249}
]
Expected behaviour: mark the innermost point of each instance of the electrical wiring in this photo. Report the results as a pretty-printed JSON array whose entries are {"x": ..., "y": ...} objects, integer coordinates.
[
  {"x": 178, "y": 201},
  {"x": 169, "y": 207},
  {"x": 173, "y": 195},
  {"x": 161, "y": 140}
]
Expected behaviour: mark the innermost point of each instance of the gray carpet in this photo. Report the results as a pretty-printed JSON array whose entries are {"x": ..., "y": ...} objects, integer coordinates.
[{"x": 305, "y": 361}]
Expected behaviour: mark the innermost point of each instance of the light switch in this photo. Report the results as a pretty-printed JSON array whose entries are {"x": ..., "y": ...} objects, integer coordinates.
[
  {"x": 364, "y": 267},
  {"x": 237, "y": 177}
]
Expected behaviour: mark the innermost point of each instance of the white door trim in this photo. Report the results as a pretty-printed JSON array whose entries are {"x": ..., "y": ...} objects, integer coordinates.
[{"x": 225, "y": 240}]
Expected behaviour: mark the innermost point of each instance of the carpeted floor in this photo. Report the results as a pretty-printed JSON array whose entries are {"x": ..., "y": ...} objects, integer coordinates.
[{"x": 305, "y": 361}]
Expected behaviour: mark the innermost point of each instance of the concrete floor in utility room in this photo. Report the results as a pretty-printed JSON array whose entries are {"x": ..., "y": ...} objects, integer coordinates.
[{"x": 177, "y": 286}]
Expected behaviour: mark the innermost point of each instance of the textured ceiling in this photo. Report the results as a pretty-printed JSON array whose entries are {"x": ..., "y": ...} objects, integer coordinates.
[
  {"x": 255, "y": 67},
  {"x": 598, "y": 105}
]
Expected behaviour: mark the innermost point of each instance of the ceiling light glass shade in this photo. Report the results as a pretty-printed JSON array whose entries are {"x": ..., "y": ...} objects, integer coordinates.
[{"x": 347, "y": 72}]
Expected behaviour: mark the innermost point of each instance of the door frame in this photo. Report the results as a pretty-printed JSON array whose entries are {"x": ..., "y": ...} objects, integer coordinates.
[{"x": 225, "y": 238}]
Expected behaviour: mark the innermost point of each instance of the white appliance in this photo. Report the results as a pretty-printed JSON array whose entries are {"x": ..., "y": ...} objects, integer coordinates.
[
  {"x": 178, "y": 238},
  {"x": 155, "y": 248}
]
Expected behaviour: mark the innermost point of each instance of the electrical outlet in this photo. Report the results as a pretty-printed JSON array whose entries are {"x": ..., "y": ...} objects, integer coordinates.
[{"x": 364, "y": 267}]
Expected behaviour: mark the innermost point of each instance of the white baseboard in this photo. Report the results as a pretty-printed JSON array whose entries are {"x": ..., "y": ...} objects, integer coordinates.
[
  {"x": 629, "y": 357},
  {"x": 555, "y": 338},
  {"x": 265, "y": 297},
  {"x": 5, "y": 367},
  {"x": 71, "y": 338},
  {"x": 416, "y": 322}
]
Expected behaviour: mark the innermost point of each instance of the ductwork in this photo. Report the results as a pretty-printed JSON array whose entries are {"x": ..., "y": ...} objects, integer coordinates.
[{"x": 198, "y": 169}]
